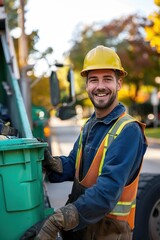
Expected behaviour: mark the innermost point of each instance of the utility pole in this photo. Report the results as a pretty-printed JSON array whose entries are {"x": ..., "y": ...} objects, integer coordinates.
[
  {"x": 22, "y": 41},
  {"x": 22, "y": 60}
]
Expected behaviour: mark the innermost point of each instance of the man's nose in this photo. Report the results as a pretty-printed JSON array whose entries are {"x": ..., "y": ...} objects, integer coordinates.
[{"x": 101, "y": 84}]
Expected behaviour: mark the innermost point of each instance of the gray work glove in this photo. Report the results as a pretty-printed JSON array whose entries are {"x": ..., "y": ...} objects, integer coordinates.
[
  {"x": 65, "y": 218},
  {"x": 51, "y": 163}
]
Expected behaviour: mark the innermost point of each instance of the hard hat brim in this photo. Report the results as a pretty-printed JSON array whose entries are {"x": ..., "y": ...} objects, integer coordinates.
[{"x": 84, "y": 72}]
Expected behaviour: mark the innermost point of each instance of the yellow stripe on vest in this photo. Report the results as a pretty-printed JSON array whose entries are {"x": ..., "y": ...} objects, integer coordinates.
[
  {"x": 123, "y": 208},
  {"x": 113, "y": 133}
]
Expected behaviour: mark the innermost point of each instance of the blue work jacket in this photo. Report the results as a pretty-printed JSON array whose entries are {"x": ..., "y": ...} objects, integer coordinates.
[{"x": 121, "y": 164}]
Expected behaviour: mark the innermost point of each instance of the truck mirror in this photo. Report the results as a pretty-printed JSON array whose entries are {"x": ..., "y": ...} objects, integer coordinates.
[
  {"x": 66, "y": 112},
  {"x": 54, "y": 89},
  {"x": 63, "y": 97}
]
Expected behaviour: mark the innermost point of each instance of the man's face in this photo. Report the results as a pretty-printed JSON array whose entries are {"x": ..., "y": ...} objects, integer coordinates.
[{"x": 102, "y": 87}]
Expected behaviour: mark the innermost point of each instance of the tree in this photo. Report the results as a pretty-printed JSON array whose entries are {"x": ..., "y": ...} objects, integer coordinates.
[
  {"x": 11, "y": 8},
  {"x": 127, "y": 37},
  {"x": 153, "y": 29}
]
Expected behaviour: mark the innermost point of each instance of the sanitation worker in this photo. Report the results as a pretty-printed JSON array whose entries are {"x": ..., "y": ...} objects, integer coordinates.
[{"x": 104, "y": 164}]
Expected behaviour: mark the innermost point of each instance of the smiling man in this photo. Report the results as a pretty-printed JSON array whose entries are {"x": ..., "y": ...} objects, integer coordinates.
[
  {"x": 104, "y": 163},
  {"x": 102, "y": 87}
]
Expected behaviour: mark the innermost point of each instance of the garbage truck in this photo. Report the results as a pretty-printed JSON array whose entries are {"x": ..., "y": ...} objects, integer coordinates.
[{"x": 22, "y": 194}]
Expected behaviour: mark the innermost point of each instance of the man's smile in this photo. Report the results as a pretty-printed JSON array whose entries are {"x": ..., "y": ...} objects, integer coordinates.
[{"x": 101, "y": 94}]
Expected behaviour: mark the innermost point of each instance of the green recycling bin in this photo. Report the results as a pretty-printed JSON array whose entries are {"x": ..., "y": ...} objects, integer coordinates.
[{"x": 21, "y": 188}]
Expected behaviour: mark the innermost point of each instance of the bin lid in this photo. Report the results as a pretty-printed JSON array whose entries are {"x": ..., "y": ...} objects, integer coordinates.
[{"x": 21, "y": 143}]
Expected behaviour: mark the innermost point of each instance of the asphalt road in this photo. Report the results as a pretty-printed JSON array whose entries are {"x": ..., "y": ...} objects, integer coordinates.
[{"x": 64, "y": 134}]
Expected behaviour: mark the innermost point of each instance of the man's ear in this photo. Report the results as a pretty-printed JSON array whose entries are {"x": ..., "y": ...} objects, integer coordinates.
[
  {"x": 86, "y": 83},
  {"x": 119, "y": 85}
]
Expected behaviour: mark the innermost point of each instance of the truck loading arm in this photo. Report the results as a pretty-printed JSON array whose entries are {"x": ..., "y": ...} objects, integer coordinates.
[{"x": 10, "y": 84}]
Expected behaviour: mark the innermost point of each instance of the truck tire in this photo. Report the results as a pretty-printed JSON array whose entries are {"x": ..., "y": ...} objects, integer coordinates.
[{"x": 147, "y": 219}]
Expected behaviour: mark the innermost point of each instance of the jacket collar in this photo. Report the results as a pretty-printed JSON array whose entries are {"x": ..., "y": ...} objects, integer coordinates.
[{"x": 113, "y": 115}]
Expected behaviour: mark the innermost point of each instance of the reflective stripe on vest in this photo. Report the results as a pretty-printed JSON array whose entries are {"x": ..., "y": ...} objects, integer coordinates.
[
  {"x": 125, "y": 208},
  {"x": 113, "y": 133}
]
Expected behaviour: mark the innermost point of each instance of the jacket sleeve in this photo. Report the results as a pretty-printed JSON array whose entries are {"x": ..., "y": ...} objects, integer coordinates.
[
  {"x": 122, "y": 161},
  {"x": 68, "y": 163}
]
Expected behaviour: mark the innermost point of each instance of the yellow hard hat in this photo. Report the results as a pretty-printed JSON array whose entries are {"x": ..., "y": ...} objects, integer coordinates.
[{"x": 102, "y": 58}]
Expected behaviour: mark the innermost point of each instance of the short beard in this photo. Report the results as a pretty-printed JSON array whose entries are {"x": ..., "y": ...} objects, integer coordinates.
[{"x": 105, "y": 106}]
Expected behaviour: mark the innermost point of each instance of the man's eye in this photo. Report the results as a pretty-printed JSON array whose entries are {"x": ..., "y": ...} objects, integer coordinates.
[
  {"x": 108, "y": 79},
  {"x": 92, "y": 80}
]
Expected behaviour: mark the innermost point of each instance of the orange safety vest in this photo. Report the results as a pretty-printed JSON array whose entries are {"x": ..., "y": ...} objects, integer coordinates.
[{"x": 125, "y": 207}]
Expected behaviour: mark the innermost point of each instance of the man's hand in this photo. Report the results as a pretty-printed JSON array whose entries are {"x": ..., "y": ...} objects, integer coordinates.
[
  {"x": 51, "y": 163},
  {"x": 65, "y": 218}
]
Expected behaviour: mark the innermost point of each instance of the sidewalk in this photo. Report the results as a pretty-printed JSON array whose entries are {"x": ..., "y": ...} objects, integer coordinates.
[
  {"x": 153, "y": 142},
  {"x": 63, "y": 147}
]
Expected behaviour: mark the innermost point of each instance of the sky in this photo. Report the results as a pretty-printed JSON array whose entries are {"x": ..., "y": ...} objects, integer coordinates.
[{"x": 58, "y": 20}]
